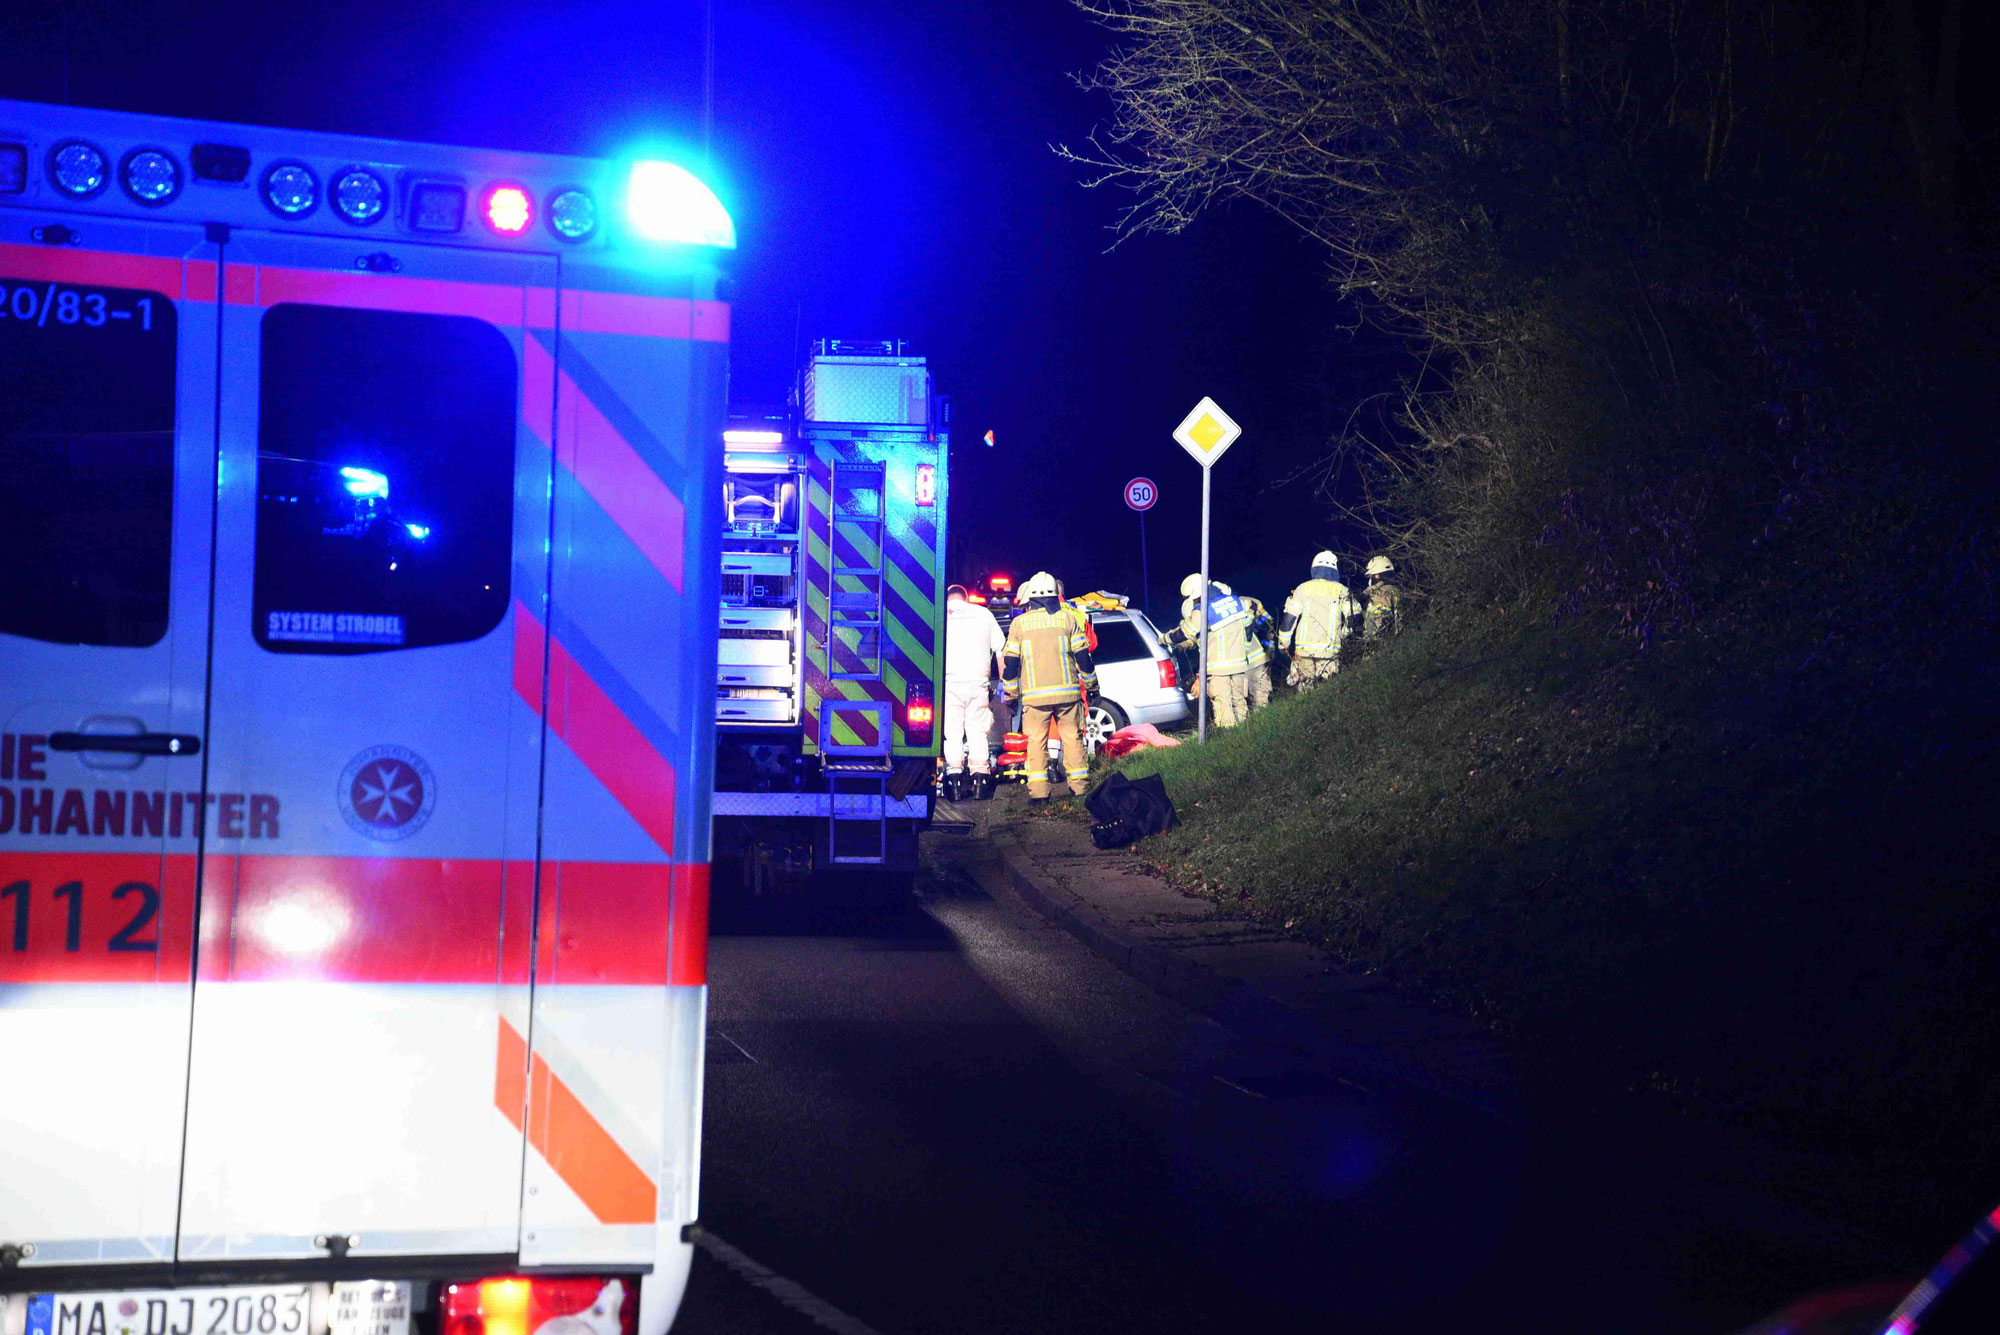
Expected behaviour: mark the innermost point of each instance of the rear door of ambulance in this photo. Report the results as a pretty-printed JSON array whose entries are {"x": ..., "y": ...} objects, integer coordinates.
[
  {"x": 355, "y": 1079},
  {"x": 107, "y": 435}
]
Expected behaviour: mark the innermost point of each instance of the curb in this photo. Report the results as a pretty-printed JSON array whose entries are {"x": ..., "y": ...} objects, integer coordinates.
[{"x": 1228, "y": 1001}]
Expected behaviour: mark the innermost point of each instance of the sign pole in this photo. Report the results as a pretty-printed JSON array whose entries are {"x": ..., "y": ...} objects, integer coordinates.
[
  {"x": 1201, "y": 618},
  {"x": 1145, "y": 578},
  {"x": 1205, "y": 433}
]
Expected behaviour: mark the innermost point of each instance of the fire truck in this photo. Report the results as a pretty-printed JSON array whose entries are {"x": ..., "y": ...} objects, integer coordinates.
[
  {"x": 832, "y": 631},
  {"x": 354, "y": 842}
]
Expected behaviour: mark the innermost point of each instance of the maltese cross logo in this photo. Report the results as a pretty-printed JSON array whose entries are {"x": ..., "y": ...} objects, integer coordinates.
[{"x": 387, "y": 792}]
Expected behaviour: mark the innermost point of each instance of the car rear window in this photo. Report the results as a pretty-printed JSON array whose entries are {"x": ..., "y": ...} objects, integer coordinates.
[
  {"x": 87, "y": 455},
  {"x": 1118, "y": 641}
]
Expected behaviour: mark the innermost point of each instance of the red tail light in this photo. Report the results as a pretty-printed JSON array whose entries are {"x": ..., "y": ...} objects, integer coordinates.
[
  {"x": 917, "y": 717},
  {"x": 926, "y": 484},
  {"x": 559, "y": 1305},
  {"x": 1168, "y": 677}
]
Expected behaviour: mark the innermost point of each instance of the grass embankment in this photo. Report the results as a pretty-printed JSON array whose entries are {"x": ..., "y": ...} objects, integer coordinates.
[{"x": 1745, "y": 873}]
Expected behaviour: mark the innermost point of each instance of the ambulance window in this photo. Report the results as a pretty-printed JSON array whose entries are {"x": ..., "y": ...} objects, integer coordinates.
[
  {"x": 86, "y": 462},
  {"x": 385, "y": 480}
]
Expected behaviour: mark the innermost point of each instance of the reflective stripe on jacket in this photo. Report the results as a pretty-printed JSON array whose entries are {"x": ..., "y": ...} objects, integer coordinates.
[
  {"x": 1228, "y": 633},
  {"x": 1322, "y": 611},
  {"x": 1042, "y": 649}
]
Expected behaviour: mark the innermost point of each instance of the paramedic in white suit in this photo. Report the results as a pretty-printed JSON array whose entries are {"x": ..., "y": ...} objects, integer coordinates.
[{"x": 972, "y": 641}]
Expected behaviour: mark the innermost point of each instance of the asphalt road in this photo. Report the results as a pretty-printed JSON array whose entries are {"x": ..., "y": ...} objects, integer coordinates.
[{"x": 958, "y": 1119}]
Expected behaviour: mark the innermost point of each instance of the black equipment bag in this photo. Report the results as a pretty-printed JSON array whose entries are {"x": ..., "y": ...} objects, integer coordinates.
[{"x": 1126, "y": 810}]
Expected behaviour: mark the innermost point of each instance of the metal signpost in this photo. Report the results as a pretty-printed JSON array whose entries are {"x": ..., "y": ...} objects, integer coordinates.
[
  {"x": 1140, "y": 496},
  {"x": 1205, "y": 433}
]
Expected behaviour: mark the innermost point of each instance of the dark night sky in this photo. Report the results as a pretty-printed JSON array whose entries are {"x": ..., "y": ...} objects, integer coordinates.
[{"x": 890, "y": 174}]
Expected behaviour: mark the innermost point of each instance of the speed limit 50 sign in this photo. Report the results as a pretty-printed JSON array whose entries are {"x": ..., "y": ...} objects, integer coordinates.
[{"x": 1141, "y": 494}]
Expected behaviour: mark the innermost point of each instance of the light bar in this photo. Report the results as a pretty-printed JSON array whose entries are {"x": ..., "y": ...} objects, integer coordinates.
[
  {"x": 739, "y": 436},
  {"x": 665, "y": 202}
]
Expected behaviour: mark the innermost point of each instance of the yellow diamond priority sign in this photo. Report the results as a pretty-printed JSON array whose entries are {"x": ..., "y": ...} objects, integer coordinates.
[{"x": 1207, "y": 432}]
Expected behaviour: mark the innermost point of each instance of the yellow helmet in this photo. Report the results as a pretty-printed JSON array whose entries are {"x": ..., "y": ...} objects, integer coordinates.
[
  {"x": 1042, "y": 585},
  {"x": 1380, "y": 565}
]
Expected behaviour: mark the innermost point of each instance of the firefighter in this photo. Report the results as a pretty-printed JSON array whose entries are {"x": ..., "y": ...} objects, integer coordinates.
[
  {"x": 1261, "y": 641},
  {"x": 1226, "y": 674},
  {"x": 972, "y": 641},
  {"x": 1318, "y": 616},
  {"x": 1046, "y": 667},
  {"x": 1384, "y": 616}
]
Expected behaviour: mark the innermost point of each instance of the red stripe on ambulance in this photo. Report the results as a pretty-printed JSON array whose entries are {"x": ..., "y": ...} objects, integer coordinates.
[
  {"x": 575, "y": 1144},
  {"x": 616, "y": 753}
]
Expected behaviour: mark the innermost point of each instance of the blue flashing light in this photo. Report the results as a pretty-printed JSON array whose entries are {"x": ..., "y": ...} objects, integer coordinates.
[
  {"x": 366, "y": 483},
  {"x": 419, "y": 531},
  {"x": 664, "y": 202}
]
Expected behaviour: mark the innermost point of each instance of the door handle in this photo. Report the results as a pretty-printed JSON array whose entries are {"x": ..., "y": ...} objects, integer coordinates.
[{"x": 130, "y": 743}]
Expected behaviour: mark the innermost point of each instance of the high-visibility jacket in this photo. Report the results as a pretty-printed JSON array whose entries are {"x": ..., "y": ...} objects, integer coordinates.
[
  {"x": 1259, "y": 628},
  {"x": 1385, "y": 611},
  {"x": 1318, "y": 616},
  {"x": 1228, "y": 633},
  {"x": 1047, "y": 660}
]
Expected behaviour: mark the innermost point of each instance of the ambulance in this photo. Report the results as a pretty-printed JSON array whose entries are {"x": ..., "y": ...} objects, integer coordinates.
[{"x": 361, "y": 528}]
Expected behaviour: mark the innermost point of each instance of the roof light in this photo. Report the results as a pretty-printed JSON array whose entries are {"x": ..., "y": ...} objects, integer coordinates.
[
  {"x": 78, "y": 169},
  {"x": 507, "y": 209},
  {"x": 291, "y": 190},
  {"x": 366, "y": 482},
  {"x": 740, "y": 436},
  {"x": 572, "y": 214},
  {"x": 1000, "y": 582},
  {"x": 228, "y": 163},
  {"x": 151, "y": 177},
  {"x": 13, "y": 168},
  {"x": 359, "y": 196},
  {"x": 437, "y": 207},
  {"x": 926, "y": 484},
  {"x": 664, "y": 202}
]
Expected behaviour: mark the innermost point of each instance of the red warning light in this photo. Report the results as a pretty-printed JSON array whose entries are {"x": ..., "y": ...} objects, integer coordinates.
[
  {"x": 1001, "y": 582},
  {"x": 926, "y": 484},
  {"x": 508, "y": 209}
]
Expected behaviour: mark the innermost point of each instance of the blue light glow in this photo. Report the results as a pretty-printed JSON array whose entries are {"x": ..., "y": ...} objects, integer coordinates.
[
  {"x": 366, "y": 482},
  {"x": 419, "y": 531},
  {"x": 664, "y": 202}
]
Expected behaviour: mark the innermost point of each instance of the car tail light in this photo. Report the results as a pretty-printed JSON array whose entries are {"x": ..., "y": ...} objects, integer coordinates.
[
  {"x": 557, "y": 1304},
  {"x": 926, "y": 484},
  {"x": 917, "y": 718},
  {"x": 1169, "y": 678}
]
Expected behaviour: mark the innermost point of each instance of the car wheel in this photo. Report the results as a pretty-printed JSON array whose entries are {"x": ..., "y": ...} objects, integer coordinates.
[{"x": 1105, "y": 719}]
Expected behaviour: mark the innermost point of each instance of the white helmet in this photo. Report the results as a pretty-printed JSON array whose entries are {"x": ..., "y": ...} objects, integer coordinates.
[
  {"x": 1326, "y": 559},
  {"x": 1042, "y": 585},
  {"x": 1191, "y": 586},
  {"x": 1380, "y": 565}
]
